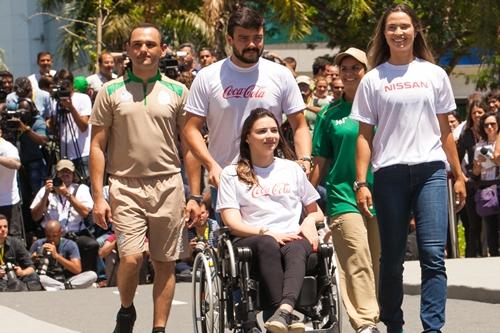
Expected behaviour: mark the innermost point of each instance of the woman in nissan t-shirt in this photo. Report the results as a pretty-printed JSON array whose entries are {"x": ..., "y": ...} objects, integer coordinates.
[{"x": 407, "y": 98}]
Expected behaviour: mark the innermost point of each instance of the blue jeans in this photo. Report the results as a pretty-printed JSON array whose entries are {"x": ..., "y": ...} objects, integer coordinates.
[{"x": 398, "y": 191}]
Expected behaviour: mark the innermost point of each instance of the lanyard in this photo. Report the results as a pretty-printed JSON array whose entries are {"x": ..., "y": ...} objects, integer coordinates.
[{"x": 1, "y": 254}]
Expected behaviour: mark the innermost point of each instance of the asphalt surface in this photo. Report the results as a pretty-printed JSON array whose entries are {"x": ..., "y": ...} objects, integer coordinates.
[{"x": 473, "y": 305}]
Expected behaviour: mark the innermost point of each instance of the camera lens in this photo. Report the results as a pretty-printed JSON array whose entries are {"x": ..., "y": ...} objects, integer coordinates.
[{"x": 57, "y": 181}]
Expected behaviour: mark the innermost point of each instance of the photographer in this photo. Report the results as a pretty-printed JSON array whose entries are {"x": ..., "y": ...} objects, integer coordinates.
[
  {"x": 70, "y": 121},
  {"x": 484, "y": 167},
  {"x": 199, "y": 237},
  {"x": 17, "y": 272},
  {"x": 63, "y": 267},
  {"x": 186, "y": 59},
  {"x": 9, "y": 192},
  {"x": 64, "y": 200},
  {"x": 23, "y": 89}
]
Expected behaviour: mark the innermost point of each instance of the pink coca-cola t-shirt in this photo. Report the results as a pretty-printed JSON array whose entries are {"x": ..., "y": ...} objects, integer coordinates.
[
  {"x": 276, "y": 203},
  {"x": 225, "y": 94}
]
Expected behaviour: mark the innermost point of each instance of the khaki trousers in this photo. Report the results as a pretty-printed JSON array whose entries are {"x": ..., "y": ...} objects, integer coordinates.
[{"x": 357, "y": 246}]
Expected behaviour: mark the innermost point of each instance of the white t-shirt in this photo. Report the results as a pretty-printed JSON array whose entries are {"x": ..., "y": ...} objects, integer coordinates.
[
  {"x": 69, "y": 131},
  {"x": 96, "y": 81},
  {"x": 403, "y": 101},
  {"x": 276, "y": 203},
  {"x": 9, "y": 192},
  {"x": 225, "y": 94},
  {"x": 60, "y": 209}
]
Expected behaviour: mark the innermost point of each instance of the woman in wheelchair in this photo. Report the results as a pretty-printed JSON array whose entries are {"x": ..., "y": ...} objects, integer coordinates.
[{"x": 261, "y": 200}]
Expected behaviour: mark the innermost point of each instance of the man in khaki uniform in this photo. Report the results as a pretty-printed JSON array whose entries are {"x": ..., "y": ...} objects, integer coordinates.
[{"x": 136, "y": 123}]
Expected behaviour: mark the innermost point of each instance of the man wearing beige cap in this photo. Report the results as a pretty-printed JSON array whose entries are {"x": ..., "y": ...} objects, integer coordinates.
[
  {"x": 64, "y": 200},
  {"x": 355, "y": 237}
]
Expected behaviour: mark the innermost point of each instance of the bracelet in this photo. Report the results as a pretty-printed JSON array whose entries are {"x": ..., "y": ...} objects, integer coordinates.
[{"x": 307, "y": 159}]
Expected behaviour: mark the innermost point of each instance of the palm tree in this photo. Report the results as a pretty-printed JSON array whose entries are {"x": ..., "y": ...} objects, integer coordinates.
[{"x": 90, "y": 26}]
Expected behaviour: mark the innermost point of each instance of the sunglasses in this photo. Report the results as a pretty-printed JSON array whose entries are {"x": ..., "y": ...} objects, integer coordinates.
[{"x": 490, "y": 125}]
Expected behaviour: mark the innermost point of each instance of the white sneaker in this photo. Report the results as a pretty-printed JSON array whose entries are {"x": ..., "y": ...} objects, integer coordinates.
[{"x": 368, "y": 329}]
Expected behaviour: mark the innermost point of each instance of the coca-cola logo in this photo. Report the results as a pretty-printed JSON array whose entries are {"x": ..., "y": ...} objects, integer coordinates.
[
  {"x": 274, "y": 189},
  {"x": 251, "y": 91}
]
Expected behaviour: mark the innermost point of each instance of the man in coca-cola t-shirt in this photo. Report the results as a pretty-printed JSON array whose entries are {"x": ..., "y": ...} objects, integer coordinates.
[{"x": 224, "y": 93}]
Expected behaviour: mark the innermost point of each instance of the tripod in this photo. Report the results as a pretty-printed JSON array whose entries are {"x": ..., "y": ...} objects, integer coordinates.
[{"x": 64, "y": 136}]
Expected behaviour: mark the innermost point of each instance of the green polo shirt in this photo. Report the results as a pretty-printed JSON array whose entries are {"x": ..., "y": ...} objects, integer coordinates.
[{"x": 334, "y": 138}]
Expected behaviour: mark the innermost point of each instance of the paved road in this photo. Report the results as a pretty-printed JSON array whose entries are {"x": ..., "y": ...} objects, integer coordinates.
[{"x": 93, "y": 311}]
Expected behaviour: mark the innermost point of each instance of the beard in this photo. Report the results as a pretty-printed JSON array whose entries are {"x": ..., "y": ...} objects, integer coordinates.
[{"x": 248, "y": 59}]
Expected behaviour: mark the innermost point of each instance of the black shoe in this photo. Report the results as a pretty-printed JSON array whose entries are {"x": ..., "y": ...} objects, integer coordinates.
[
  {"x": 125, "y": 321},
  {"x": 184, "y": 276}
]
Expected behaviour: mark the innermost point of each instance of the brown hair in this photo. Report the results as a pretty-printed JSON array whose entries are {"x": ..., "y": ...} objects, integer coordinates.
[
  {"x": 244, "y": 167},
  {"x": 378, "y": 50}
]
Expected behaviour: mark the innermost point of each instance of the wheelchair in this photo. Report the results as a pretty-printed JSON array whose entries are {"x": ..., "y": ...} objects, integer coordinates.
[{"x": 225, "y": 296}]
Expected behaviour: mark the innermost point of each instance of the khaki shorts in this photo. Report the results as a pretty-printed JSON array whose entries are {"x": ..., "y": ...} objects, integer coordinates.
[{"x": 149, "y": 207}]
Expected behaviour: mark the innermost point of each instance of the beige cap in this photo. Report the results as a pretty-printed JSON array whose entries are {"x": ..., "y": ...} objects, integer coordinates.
[
  {"x": 353, "y": 52},
  {"x": 65, "y": 164},
  {"x": 303, "y": 79}
]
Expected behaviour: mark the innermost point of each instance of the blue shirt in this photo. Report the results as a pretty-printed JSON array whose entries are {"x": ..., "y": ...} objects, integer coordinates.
[{"x": 31, "y": 151}]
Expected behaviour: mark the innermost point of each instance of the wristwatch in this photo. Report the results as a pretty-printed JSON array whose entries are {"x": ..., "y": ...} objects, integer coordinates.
[
  {"x": 68, "y": 195},
  {"x": 357, "y": 185},
  {"x": 307, "y": 159},
  {"x": 197, "y": 198}
]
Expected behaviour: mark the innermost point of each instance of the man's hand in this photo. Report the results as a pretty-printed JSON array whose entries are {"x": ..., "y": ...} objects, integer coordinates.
[
  {"x": 214, "y": 175},
  {"x": 102, "y": 213},
  {"x": 364, "y": 201},
  {"x": 66, "y": 103},
  {"x": 61, "y": 190},
  {"x": 309, "y": 231},
  {"x": 19, "y": 271},
  {"x": 192, "y": 214},
  {"x": 49, "y": 186},
  {"x": 52, "y": 248},
  {"x": 306, "y": 166}
]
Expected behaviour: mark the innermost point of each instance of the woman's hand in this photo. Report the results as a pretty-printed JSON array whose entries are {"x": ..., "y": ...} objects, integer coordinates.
[
  {"x": 309, "y": 231},
  {"x": 282, "y": 239},
  {"x": 364, "y": 201}
]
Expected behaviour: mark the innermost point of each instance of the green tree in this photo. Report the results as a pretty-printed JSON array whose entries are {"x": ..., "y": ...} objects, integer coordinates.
[
  {"x": 454, "y": 28},
  {"x": 91, "y": 26}
]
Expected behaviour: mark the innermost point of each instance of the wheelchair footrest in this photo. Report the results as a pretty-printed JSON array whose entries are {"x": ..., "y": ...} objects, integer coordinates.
[{"x": 308, "y": 292}]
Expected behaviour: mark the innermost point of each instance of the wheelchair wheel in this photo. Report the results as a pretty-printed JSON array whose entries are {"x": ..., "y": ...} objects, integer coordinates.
[{"x": 208, "y": 312}]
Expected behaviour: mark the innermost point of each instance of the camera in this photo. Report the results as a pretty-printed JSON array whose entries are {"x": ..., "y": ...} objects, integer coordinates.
[
  {"x": 56, "y": 181},
  {"x": 10, "y": 271},
  {"x": 44, "y": 262},
  {"x": 10, "y": 118},
  {"x": 200, "y": 246},
  {"x": 61, "y": 90},
  {"x": 486, "y": 152},
  {"x": 169, "y": 65}
]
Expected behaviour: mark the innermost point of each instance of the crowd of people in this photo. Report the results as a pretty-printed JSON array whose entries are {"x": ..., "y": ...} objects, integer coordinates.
[{"x": 115, "y": 178}]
